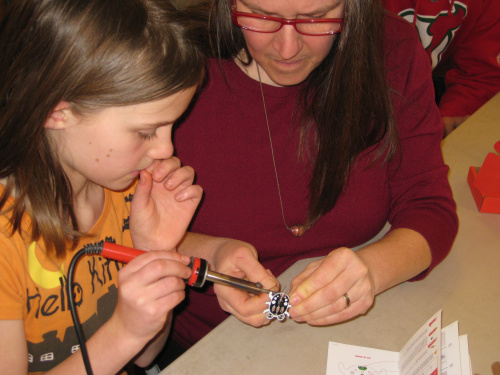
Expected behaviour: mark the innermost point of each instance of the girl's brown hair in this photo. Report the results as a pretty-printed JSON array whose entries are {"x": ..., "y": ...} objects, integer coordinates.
[
  {"x": 92, "y": 54},
  {"x": 346, "y": 99}
]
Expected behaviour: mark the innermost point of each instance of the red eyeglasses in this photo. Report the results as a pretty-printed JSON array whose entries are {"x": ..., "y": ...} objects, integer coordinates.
[{"x": 270, "y": 24}]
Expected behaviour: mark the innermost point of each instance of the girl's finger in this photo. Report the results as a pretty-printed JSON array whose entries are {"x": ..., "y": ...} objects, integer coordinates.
[
  {"x": 161, "y": 169},
  {"x": 143, "y": 190},
  {"x": 191, "y": 192},
  {"x": 162, "y": 260},
  {"x": 179, "y": 178}
]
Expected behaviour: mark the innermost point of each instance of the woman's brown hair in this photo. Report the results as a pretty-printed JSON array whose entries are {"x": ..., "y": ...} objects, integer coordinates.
[
  {"x": 92, "y": 54},
  {"x": 346, "y": 99}
]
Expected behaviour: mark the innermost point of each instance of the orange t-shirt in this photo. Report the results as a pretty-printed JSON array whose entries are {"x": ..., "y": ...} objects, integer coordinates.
[{"x": 33, "y": 287}]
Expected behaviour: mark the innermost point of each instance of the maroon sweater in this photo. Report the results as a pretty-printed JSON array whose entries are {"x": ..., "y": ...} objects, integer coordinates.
[{"x": 225, "y": 139}]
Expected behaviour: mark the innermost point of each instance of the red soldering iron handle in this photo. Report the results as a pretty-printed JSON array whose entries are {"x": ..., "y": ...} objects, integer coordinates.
[
  {"x": 125, "y": 254},
  {"x": 120, "y": 253}
]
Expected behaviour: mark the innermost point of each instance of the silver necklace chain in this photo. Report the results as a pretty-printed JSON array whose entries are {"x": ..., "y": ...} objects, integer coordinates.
[{"x": 296, "y": 230}]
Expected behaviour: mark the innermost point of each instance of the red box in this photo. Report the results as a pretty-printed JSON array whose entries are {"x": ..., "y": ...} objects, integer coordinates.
[{"x": 484, "y": 203}]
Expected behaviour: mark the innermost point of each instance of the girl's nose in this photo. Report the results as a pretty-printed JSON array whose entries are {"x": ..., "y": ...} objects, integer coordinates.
[
  {"x": 288, "y": 42},
  {"x": 161, "y": 146}
]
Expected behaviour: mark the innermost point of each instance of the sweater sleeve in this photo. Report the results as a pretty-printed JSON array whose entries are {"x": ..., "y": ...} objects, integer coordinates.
[
  {"x": 421, "y": 195},
  {"x": 474, "y": 76}
]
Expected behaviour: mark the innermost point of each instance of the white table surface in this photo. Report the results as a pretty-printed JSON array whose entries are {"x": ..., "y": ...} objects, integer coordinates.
[{"x": 466, "y": 286}]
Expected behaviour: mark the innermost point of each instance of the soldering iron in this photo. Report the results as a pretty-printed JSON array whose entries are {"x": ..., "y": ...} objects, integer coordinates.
[{"x": 199, "y": 275}]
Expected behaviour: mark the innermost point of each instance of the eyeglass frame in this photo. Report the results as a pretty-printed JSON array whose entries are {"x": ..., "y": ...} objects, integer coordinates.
[{"x": 283, "y": 21}]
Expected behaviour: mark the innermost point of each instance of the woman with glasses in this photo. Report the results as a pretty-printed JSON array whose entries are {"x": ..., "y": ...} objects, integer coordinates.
[{"x": 316, "y": 126}]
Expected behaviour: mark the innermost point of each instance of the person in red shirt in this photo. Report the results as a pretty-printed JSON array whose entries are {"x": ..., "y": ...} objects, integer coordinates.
[
  {"x": 317, "y": 125},
  {"x": 462, "y": 40}
]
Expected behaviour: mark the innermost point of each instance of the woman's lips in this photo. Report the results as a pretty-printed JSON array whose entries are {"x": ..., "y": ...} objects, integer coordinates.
[{"x": 289, "y": 62}]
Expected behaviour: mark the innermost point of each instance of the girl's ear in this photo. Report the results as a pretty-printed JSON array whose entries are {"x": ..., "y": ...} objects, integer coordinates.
[{"x": 59, "y": 116}]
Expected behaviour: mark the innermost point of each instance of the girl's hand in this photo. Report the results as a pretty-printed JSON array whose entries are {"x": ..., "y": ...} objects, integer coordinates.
[
  {"x": 239, "y": 259},
  {"x": 317, "y": 295},
  {"x": 164, "y": 202},
  {"x": 149, "y": 287}
]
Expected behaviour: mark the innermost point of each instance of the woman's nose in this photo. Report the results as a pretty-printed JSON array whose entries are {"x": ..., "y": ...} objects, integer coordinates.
[{"x": 288, "y": 42}]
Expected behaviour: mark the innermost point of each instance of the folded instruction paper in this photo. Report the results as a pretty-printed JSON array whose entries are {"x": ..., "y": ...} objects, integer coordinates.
[{"x": 430, "y": 351}]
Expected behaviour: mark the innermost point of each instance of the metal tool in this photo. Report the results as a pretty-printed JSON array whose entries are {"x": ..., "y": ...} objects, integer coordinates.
[{"x": 200, "y": 272}]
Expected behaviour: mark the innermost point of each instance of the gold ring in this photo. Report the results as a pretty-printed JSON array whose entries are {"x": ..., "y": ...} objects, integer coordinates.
[{"x": 347, "y": 301}]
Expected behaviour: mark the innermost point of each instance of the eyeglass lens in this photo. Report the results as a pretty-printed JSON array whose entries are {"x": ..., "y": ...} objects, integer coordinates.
[{"x": 267, "y": 25}]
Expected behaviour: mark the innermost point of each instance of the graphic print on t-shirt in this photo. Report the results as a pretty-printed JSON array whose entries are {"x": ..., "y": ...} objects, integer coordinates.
[
  {"x": 95, "y": 295},
  {"x": 437, "y": 39}
]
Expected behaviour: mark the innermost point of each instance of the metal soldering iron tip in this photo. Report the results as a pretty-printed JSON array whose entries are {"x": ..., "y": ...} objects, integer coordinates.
[{"x": 248, "y": 286}]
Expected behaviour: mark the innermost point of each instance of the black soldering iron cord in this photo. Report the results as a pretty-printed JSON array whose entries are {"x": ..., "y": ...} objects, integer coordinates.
[{"x": 86, "y": 250}]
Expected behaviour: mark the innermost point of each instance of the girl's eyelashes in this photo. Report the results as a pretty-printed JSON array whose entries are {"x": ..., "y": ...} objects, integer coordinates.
[
  {"x": 149, "y": 133},
  {"x": 148, "y": 136}
]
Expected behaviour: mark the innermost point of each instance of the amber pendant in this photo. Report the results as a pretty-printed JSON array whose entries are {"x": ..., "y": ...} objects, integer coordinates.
[{"x": 298, "y": 230}]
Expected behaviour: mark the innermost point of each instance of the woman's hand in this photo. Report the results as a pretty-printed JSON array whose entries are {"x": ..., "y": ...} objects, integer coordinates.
[
  {"x": 239, "y": 259},
  {"x": 149, "y": 287},
  {"x": 318, "y": 292},
  {"x": 317, "y": 295},
  {"x": 164, "y": 203}
]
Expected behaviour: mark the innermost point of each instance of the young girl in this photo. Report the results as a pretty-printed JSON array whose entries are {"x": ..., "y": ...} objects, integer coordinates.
[{"x": 89, "y": 91}]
